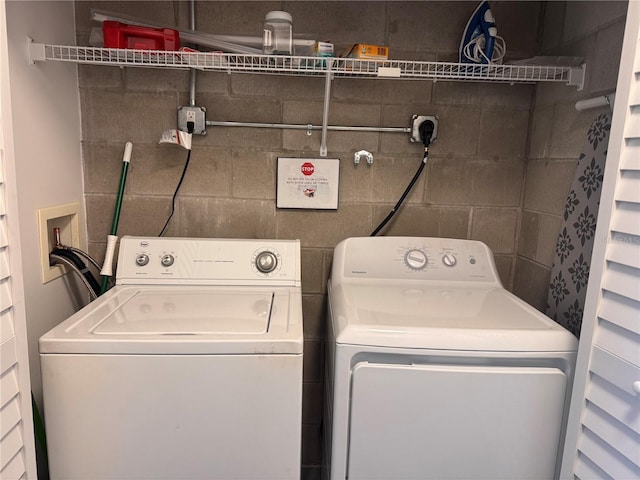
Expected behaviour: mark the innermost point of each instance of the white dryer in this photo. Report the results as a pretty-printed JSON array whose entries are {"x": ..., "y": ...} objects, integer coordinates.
[
  {"x": 189, "y": 368},
  {"x": 435, "y": 371}
]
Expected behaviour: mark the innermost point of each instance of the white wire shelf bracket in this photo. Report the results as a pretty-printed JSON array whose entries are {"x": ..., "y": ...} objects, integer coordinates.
[{"x": 309, "y": 66}]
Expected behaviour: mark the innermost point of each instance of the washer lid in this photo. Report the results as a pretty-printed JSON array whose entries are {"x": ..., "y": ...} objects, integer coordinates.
[
  {"x": 447, "y": 317},
  {"x": 183, "y": 320},
  {"x": 189, "y": 312}
]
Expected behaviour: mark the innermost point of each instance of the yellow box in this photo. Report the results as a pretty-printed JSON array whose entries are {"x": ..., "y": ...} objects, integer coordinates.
[{"x": 368, "y": 52}]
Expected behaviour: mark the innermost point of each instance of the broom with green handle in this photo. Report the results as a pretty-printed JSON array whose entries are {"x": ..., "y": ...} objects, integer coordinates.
[{"x": 112, "y": 239}]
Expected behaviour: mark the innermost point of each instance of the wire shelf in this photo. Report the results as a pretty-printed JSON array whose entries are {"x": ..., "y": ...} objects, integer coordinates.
[{"x": 309, "y": 66}]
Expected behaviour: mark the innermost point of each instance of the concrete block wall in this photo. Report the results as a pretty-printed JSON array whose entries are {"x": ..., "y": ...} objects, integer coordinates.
[
  {"x": 473, "y": 186},
  {"x": 594, "y": 31}
]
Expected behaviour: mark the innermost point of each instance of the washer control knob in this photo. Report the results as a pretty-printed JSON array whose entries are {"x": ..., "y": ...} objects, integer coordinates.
[
  {"x": 167, "y": 260},
  {"x": 142, "y": 259},
  {"x": 415, "y": 259},
  {"x": 449, "y": 260},
  {"x": 266, "y": 262}
]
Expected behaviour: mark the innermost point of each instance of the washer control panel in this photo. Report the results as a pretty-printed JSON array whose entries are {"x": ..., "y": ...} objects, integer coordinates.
[
  {"x": 423, "y": 258},
  {"x": 207, "y": 261}
]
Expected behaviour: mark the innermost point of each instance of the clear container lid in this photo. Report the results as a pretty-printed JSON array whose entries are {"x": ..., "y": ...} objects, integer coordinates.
[{"x": 278, "y": 15}]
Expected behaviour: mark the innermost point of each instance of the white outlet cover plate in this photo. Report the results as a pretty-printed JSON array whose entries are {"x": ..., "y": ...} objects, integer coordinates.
[{"x": 308, "y": 183}]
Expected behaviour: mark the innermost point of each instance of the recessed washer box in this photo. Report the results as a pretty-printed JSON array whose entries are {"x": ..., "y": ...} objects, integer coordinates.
[{"x": 67, "y": 219}]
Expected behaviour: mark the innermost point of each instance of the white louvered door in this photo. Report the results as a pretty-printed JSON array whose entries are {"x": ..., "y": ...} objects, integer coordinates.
[
  {"x": 603, "y": 437},
  {"x": 17, "y": 445}
]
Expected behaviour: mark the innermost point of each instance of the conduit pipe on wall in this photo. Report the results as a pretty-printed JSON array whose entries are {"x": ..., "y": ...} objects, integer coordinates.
[
  {"x": 192, "y": 78},
  {"x": 309, "y": 128}
]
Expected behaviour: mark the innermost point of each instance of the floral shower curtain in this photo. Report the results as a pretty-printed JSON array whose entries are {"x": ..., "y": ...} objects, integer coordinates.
[{"x": 572, "y": 261}]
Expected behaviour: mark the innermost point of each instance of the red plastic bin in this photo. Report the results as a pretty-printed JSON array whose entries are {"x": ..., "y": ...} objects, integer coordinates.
[{"x": 121, "y": 35}]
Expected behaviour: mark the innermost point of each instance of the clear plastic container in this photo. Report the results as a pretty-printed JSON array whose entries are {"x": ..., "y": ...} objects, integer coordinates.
[{"x": 277, "y": 36}]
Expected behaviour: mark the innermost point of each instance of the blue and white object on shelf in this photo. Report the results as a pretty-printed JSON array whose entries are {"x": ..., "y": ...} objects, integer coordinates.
[{"x": 478, "y": 43}]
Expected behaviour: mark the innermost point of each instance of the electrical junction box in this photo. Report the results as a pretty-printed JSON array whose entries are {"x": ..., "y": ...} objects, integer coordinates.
[
  {"x": 195, "y": 115},
  {"x": 416, "y": 121},
  {"x": 308, "y": 183}
]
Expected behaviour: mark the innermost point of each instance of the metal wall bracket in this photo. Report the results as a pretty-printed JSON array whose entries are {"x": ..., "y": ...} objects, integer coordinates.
[
  {"x": 577, "y": 76},
  {"x": 36, "y": 51}
]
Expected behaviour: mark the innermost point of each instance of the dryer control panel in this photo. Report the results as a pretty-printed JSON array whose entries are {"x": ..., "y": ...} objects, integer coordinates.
[
  {"x": 421, "y": 258},
  {"x": 208, "y": 261}
]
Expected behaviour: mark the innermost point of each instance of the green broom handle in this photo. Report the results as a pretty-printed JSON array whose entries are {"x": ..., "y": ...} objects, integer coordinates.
[{"x": 107, "y": 267}]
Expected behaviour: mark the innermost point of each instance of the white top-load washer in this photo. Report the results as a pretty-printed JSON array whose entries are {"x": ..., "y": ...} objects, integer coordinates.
[
  {"x": 435, "y": 371},
  {"x": 189, "y": 368}
]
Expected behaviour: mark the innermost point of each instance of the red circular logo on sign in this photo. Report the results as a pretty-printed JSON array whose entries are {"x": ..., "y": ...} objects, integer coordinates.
[{"x": 307, "y": 168}]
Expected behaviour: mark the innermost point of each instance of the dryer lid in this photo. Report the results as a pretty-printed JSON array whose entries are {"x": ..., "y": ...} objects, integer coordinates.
[{"x": 446, "y": 317}]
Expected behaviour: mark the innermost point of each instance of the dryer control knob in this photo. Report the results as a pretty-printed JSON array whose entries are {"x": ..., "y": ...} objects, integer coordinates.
[
  {"x": 266, "y": 262},
  {"x": 167, "y": 260},
  {"x": 415, "y": 259},
  {"x": 449, "y": 259},
  {"x": 142, "y": 259}
]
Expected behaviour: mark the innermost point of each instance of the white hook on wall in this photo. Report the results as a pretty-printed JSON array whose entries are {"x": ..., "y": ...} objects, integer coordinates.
[{"x": 363, "y": 153}]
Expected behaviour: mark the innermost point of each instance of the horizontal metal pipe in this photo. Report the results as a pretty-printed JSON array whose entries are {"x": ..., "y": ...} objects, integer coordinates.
[{"x": 211, "y": 123}]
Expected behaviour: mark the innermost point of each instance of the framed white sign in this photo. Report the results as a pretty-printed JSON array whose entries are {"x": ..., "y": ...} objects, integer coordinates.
[{"x": 308, "y": 183}]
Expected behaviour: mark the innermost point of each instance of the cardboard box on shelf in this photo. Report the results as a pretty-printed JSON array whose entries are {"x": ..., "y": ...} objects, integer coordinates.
[
  {"x": 324, "y": 49},
  {"x": 368, "y": 52}
]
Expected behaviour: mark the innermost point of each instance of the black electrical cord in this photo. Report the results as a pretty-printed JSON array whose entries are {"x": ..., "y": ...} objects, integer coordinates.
[
  {"x": 175, "y": 194},
  {"x": 426, "y": 131},
  {"x": 60, "y": 255},
  {"x": 404, "y": 195},
  {"x": 190, "y": 128}
]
